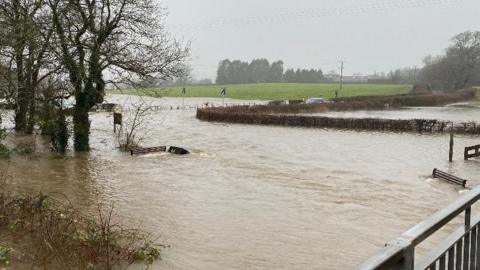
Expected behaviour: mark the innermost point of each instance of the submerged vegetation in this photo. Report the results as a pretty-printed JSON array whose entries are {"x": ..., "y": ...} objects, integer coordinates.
[
  {"x": 62, "y": 238},
  {"x": 129, "y": 134},
  {"x": 5, "y": 256},
  {"x": 40, "y": 231},
  {"x": 4, "y": 151},
  {"x": 53, "y": 119},
  {"x": 25, "y": 148}
]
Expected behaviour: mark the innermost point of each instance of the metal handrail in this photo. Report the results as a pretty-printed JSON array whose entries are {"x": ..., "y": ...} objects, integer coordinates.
[
  {"x": 447, "y": 243},
  {"x": 400, "y": 253}
]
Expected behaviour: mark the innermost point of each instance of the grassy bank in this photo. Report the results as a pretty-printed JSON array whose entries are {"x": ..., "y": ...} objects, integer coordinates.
[{"x": 274, "y": 91}]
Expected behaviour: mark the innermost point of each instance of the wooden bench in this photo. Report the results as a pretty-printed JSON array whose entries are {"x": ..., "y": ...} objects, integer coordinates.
[
  {"x": 149, "y": 150},
  {"x": 449, "y": 178}
]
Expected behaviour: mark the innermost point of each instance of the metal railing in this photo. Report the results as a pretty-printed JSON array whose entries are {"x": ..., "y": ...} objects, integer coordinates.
[{"x": 461, "y": 250}]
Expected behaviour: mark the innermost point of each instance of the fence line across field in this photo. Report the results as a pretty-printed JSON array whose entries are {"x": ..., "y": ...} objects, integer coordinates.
[
  {"x": 476, "y": 152},
  {"x": 194, "y": 107}
]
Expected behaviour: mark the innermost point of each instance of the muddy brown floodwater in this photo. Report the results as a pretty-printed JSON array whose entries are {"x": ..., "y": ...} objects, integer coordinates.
[{"x": 253, "y": 197}]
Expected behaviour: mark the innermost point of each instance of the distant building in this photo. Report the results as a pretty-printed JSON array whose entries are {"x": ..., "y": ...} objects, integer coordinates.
[
  {"x": 355, "y": 78},
  {"x": 332, "y": 77}
]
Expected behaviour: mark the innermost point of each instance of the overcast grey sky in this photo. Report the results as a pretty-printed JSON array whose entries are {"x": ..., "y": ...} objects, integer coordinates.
[{"x": 370, "y": 35}]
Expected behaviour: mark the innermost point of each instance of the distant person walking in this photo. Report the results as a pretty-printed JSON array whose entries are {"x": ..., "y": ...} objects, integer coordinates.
[
  {"x": 184, "y": 92},
  {"x": 223, "y": 94},
  {"x": 336, "y": 94}
]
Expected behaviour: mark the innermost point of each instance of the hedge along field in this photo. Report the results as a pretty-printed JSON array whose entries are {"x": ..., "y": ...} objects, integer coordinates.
[
  {"x": 288, "y": 115},
  {"x": 273, "y": 91}
]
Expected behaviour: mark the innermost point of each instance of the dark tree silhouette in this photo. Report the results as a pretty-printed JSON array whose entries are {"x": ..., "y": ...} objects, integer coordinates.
[{"x": 124, "y": 38}]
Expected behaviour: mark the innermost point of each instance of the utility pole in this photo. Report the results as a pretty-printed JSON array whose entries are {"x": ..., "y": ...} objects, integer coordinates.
[
  {"x": 341, "y": 76},
  {"x": 415, "y": 75}
]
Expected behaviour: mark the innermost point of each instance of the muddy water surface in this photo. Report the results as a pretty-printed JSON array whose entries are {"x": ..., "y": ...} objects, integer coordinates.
[{"x": 253, "y": 197}]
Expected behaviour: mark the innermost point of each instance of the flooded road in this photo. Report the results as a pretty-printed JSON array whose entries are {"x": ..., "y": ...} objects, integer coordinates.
[{"x": 253, "y": 197}]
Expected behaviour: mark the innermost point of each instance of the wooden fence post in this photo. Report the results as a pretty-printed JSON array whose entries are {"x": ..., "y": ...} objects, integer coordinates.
[
  {"x": 117, "y": 120},
  {"x": 450, "y": 153}
]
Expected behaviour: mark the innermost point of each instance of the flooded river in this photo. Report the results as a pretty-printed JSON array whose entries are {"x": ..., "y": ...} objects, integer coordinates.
[{"x": 253, "y": 197}]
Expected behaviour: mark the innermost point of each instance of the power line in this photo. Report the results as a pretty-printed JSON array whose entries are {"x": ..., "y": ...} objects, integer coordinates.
[{"x": 316, "y": 14}]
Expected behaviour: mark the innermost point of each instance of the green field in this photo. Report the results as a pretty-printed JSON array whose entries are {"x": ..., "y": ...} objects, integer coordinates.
[{"x": 273, "y": 91}]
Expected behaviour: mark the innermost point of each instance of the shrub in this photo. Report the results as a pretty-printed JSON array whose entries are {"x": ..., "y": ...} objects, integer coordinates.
[
  {"x": 57, "y": 130},
  {"x": 5, "y": 253},
  {"x": 133, "y": 128},
  {"x": 53, "y": 119},
  {"x": 25, "y": 148},
  {"x": 4, "y": 152},
  {"x": 62, "y": 238}
]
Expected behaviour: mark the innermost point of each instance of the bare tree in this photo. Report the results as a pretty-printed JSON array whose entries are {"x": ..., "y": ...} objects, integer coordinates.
[
  {"x": 459, "y": 67},
  {"x": 24, "y": 55},
  {"x": 116, "y": 41},
  {"x": 129, "y": 134}
]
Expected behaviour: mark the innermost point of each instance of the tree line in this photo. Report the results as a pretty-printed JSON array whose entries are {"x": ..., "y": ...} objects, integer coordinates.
[
  {"x": 52, "y": 50},
  {"x": 398, "y": 76},
  {"x": 262, "y": 71},
  {"x": 458, "y": 67}
]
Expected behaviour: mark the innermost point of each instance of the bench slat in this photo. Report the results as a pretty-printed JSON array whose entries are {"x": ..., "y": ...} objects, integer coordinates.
[
  {"x": 142, "y": 151},
  {"x": 449, "y": 178}
]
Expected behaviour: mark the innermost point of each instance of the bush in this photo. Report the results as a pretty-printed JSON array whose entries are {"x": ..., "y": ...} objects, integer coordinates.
[
  {"x": 57, "y": 130},
  {"x": 25, "y": 148},
  {"x": 5, "y": 253},
  {"x": 53, "y": 119},
  {"x": 62, "y": 238},
  {"x": 128, "y": 136},
  {"x": 4, "y": 152}
]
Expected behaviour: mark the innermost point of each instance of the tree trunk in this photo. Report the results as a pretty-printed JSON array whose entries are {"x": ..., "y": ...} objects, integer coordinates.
[
  {"x": 22, "y": 99},
  {"x": 21, "y": 107},
  {"x": 21, "y": 113},
  {"x": 32, "y": 102},
  {"x": 85, "y": 99},
  {"x": 31, "y": 112},
  {"x": 81, "y": 123}
]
